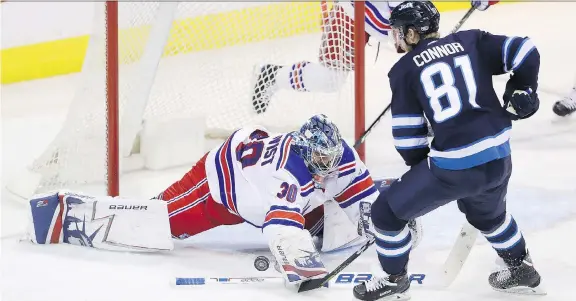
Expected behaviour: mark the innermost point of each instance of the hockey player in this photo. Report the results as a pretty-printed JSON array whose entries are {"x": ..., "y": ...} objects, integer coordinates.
[
  {"x": 567, "y": 105},
  {"x": 276, "y": 182},
  {"x": 449, "y": 81},
  {"x": 336, "y": 53}
]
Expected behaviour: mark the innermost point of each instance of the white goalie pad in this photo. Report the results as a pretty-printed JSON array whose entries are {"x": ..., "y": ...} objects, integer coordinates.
[
  {"x": 339, "y": 231},
  {"x": 116, "y": 224}
]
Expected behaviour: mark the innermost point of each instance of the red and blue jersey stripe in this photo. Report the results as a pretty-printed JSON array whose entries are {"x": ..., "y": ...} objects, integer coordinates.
[
  {"x": 284, "y": 152},
  {"x": 361, "y": 187},
  {"x": 374, "y": 19},
  {"x": 348, "y": 162},
  {"x": 307, "y": 189},
  {"x": 284, "y": 216},
  {"x": 225, "y": 173},
  {"x": 295, "y": 165}
]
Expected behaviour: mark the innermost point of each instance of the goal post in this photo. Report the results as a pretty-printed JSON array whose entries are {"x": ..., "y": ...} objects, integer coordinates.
[
  {"x": 164, "y": 82},
  {"x": 112, "y": 98}
]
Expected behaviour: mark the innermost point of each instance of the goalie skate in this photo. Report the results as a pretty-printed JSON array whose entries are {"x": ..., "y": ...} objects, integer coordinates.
[
  {"x": 264, "y": 87},
  {"x": 522, "y": 279}
]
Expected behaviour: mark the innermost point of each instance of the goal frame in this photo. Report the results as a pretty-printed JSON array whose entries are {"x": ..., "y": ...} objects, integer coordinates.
[{"x": 112, "y": 89}]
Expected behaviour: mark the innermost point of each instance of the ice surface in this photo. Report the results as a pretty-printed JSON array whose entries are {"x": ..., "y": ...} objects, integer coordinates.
[{"x": 542, "y": 197}]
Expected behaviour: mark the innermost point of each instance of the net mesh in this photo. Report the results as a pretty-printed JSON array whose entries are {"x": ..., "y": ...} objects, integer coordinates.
[{"x": 209, "y": 57}]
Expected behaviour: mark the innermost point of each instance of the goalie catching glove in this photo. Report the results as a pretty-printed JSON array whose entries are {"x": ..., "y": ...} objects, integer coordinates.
[{"x": 298, "y": 260}]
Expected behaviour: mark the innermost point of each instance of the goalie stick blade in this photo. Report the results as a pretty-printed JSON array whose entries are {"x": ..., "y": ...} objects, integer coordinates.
[{"x": 312, "y": 285}]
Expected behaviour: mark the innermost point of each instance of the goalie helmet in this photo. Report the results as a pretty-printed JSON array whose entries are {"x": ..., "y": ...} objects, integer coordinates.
[{"x": 320, "y": 145}]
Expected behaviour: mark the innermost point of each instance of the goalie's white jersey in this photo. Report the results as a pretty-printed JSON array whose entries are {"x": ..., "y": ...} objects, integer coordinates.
[
  {"x": 259, "y": 177},
  {"x": 377, "y": 21}
]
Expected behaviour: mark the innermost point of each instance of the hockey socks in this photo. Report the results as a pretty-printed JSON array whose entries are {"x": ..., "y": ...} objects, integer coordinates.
[
  {"x": 508, "y": 241},
  {"x": 393, "y": 248},
  {"x": 310, "y": 77}
]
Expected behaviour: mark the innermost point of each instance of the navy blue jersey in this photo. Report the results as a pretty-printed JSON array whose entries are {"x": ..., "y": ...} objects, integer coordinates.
[{"x": 449, "y": 81}]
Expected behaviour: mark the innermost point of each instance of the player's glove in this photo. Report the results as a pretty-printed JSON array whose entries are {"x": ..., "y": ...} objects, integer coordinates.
[
  {"x": 520, "y": 103},
  {"x": 482, "y": 4}
]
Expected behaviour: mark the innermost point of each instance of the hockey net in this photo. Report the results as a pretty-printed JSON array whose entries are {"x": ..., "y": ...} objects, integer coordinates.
[{"x": 188, "y": 61}]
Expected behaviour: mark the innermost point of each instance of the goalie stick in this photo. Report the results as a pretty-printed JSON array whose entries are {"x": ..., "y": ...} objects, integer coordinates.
[{"x": 318, "y": 283}]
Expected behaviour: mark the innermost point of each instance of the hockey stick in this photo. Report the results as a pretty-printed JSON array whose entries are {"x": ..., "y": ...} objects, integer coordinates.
[
  {"x": 342, "y": 280},
  {"x": 367, "y": 132},
  {"x": 318, "y": 283},
  {"x": 468, "y": 234},
  {"x": 459, "y": 253},
  {"x": 464, "y": 18}
]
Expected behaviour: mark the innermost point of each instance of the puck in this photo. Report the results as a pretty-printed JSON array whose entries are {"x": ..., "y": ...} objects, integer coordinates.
[{"x": 261, "y": 263}]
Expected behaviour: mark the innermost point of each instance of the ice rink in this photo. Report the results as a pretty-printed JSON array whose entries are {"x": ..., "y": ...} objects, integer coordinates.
[{"x": 542, "y": 196}]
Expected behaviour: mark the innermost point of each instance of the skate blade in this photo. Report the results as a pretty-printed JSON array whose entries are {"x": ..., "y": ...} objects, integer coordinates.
[
  {"x": 524, "y": 290},
  {"x": 396, "y": 297}
]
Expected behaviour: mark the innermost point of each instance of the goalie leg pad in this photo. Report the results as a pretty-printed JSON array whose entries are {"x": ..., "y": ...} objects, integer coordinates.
[{"x": 108, "y": 223}]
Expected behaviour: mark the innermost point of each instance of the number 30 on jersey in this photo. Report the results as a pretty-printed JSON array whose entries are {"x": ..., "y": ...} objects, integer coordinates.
[{"x": 448, "y": 87}]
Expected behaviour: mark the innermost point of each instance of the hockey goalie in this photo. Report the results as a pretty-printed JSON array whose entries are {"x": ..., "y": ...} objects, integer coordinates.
[{"x": 288, "y": 185}]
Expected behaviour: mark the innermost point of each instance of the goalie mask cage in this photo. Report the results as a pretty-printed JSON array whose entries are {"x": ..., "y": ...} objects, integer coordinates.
[{"x": 150, "y": 61}]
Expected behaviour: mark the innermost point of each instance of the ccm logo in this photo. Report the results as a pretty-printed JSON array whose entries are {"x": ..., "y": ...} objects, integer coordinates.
[{"x": 127, "y": 207}]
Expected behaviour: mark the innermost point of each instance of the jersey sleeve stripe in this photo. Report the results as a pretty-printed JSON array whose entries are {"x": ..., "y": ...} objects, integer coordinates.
[
  {"x": 410, "y": 142},
  {"x": 375, "y": 19},
  {"x": 407, "y": 122},
  {"x": 307, "y": 189},
  {"x": 346, "y": 169},
  {"x": 285, "y": 216},
  {"x": 523, "y": 52},
  {"x": 225, "y": 173},
  {"x": 505, "y": 50},
  {"x": 284, "y": 152},
  {"x": 360, "y": 188}
]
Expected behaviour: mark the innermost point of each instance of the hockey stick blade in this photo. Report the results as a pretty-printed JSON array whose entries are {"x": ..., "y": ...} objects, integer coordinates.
[
  {"x": 459, "y": 253},
  {"x": 318, "y": 283}
]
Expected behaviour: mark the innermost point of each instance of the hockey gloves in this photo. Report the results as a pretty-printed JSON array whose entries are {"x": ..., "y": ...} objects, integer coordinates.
[
  {"x": 520, "y": 103},
  {"x": 482, "y": 4}
]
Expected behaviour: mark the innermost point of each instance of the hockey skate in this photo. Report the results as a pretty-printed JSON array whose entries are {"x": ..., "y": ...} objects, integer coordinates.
[
  {"x": 393, "y": 287},
  {"x": 522, "y": 279},
  {"x": 263, "y": 88},
  {"x": 564, "y": 107}
]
